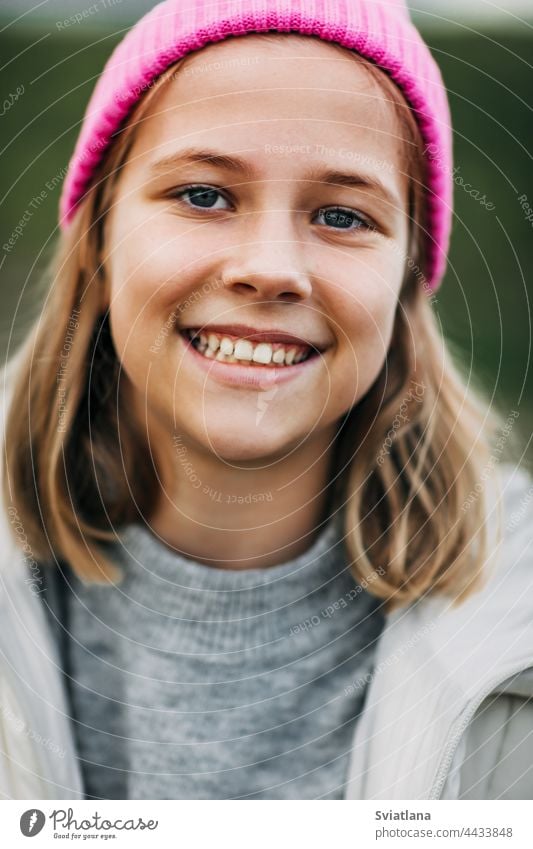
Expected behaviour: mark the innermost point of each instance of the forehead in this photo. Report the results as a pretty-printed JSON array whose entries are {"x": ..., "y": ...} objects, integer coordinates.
[{"x": 289, "y": 93}]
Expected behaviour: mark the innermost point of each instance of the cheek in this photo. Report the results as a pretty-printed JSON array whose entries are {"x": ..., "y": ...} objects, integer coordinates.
[
  {"x": 136, "y": 310},
  {"x": 364, "y": 308},
  {"x": 364, "y": 299},
  {"x": 142, "y": 272},
  {"x": 365, "y": 339},
  {"x": 132, "y": 337},
  {"x": 151, "y": 268}
]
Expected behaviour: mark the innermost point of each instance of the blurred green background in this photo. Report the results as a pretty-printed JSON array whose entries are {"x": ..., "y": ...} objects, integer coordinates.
[{"x": 484, "y": 303}]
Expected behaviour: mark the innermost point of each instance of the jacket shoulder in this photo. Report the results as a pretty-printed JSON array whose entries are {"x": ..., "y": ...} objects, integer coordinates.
[
  {"x": 497, "y": 750},
  {"x": 495, "y": 757},
  {"x": 516, "y": 491}
]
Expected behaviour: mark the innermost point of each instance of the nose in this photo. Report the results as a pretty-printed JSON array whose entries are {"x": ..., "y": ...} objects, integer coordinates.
[{"x": 272, "y": 265}]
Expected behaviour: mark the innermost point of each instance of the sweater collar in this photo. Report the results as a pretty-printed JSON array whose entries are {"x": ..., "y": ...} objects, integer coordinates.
[{"x": 231, "y": 608}]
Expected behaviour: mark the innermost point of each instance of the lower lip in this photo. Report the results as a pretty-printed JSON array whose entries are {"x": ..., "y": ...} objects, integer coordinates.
[{"x": 253, "y": 377}]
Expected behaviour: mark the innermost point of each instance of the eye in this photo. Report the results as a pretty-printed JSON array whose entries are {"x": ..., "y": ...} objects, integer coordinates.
[
  {"x": 201, "y": 197},
  {"x": 343, "y": 218}
]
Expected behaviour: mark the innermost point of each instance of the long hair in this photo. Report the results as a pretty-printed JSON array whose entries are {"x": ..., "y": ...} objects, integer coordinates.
[{"x": 407, "y": 465}]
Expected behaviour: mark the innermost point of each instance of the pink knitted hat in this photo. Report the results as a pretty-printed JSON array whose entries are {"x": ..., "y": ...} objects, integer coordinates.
[{"x": 379, "y": 30}]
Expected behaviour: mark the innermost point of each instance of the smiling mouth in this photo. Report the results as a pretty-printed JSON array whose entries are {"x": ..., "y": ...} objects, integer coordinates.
[{"x": 231, "y": 349}]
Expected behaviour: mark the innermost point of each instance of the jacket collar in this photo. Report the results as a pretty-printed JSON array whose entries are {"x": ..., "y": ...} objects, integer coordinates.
[
  {"x": 435, "y": 664},
  {"x": 30, "y": 670}
]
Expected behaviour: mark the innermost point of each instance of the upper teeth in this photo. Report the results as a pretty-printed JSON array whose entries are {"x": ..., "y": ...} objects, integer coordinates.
[{"x": 223, "y": 348}]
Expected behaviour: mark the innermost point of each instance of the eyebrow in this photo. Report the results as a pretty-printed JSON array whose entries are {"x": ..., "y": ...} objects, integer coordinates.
[{"x": 239, "y": 166}]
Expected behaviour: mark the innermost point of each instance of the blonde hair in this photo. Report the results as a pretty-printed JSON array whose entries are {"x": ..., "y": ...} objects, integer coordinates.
[{"x": 405, "y": 463}]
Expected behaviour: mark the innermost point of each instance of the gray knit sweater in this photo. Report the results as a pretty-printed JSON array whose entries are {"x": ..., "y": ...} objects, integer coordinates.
[{"x": 193, "y": 682}]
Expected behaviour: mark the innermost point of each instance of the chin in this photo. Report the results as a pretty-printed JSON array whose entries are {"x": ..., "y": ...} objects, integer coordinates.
[{"x": 257, "y": 445}]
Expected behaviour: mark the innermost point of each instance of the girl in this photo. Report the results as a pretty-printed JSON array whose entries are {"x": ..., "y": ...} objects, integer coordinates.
[{"x": 257, "y": 503}]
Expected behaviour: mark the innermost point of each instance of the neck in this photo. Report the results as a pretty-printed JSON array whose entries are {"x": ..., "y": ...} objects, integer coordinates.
[{"x": 244, "y": 518}]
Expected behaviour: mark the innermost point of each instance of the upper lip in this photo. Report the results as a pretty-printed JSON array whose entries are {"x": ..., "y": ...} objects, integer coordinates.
[{"x": 254, "y": 335}]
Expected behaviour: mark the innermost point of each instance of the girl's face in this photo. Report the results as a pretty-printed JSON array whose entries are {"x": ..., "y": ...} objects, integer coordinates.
[{"x": 296, "y": 223}]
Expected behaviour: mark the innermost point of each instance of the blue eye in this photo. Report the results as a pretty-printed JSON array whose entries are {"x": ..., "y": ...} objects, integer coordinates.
[
  {"x": 201, "y": 197},
  {"x": 206, "y": 197},
  {"x": 343, "y": 219}
]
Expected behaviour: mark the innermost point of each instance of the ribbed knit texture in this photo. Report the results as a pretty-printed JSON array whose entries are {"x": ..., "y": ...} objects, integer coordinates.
[
  {"x": 380, "y": 30},
  {"x": 193, "y": 682}
]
